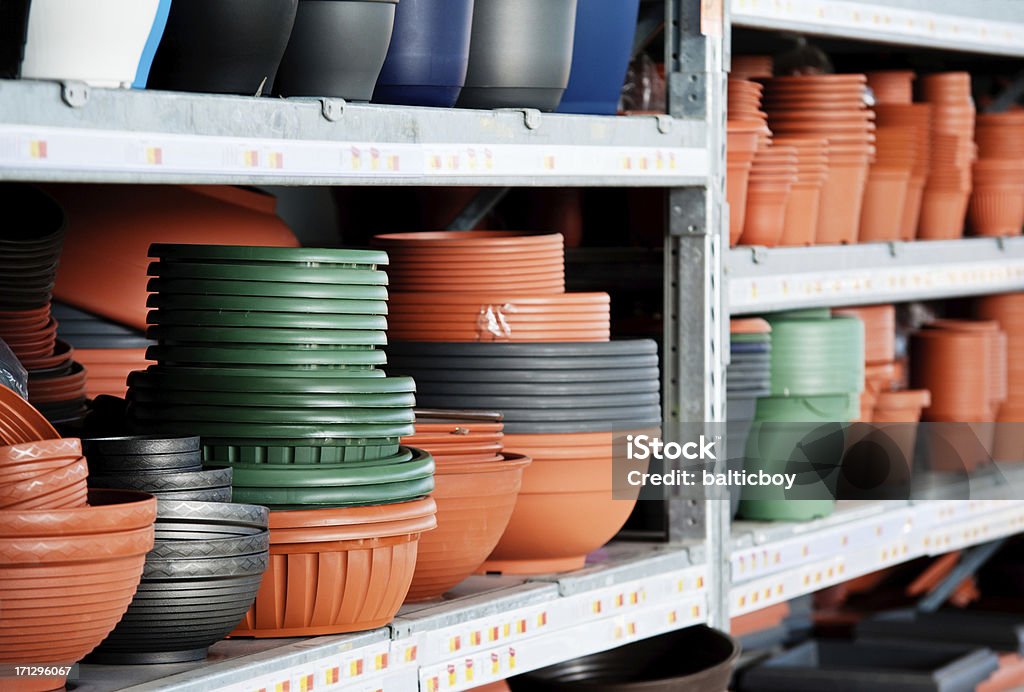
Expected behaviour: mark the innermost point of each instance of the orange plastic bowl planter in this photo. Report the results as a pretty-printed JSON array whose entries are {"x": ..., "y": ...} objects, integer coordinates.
[
  {"x": 337, "y": 570},
  {"x": 474, "y": 505}
]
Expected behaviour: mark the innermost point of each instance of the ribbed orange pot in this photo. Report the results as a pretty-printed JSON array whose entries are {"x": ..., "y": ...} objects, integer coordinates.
[
  {"x": 879, "y": 331},
  {"x": 474, "y": 505},
  {"x": 996, "y": 210},
  {"x": 565, "y": 508},
  {"x": 942, "y": 214},
  {"x": 337, "y": 570}
]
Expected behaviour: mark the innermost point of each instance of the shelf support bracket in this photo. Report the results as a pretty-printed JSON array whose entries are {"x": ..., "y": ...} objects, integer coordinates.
[{"x": 971, "y": 561}]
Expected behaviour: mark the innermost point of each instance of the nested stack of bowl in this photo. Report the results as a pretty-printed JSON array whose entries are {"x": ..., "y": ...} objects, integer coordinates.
[
  {"x": 107, "y": 350},
  {"x": 888, "y": 184},
  {"x": 566, "y": 406},
  {"x": 892, "y": 86},
  {"x": 200, "y": 579},
  {"x": 948, "y": 189},
  {"x": 772, "y": 176},
  {"x": 915, "y": 117},
  {"x": 487, "y": 286},
  {"x": 67, "y": 577},
  {"x": 748, "y": 378},
  {"x": 1008, "y": 310},
  {"x": 44, "y": 475},
  {"x": 169, "y": 467},
  {"x": 830, "y": 106},
  {"x": 28, "y": 269},
  {"x": 997, "y": 205},
  {"x": 476, "y": 485},
  {"x": 801, "y": 222},
  {"x": 817, "y": 374},
  {"x": 747, "y": 131},
  {"x": 271, "y": 356}
]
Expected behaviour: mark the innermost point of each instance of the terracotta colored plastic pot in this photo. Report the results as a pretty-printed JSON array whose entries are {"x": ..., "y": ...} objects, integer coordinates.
[
  {"x": 800, "y": 223},
  {"x": 912, "y": 208},
  {"x": 839, "y": 210},
  {"x": 942, "y": 214},
  {"x": 474, "y": 505},
  {"x": 556, "y": 523},
  {"x": 879, "y": 331},
  {"x": 892, "y": 86},
  {"x": 902, "y": 406},
  {"x": 766, "y": 214},
  {"x": 996, "y": 210},
  {"x": 20, "y": 421},
  {"x": 333, "y": 587},
  {"x": 736, "y": 186},
  {"x": 954, "y": 366},
  {"x": 996, "y": 346},
  {"x": 882, "y": 212},
  {"x": 70, "y": 476}
]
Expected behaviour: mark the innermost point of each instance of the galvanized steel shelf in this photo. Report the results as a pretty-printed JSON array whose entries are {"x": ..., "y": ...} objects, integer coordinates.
[
  {"x": 494, "y": 627},
  {"x": 993, "y": 27},
  {"x": 769, "y": 279},
  {"x": 73, "y": 133}
]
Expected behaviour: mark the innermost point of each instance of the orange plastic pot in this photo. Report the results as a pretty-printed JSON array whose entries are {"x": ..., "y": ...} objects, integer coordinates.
[
  {"x": 31, "y": 452},
  {"x": 70, "y": 476},
  {"x": 996, "y": 347},
  {"x": 800, "y": 223},
  {"x": 942, "y": 214},
  {"x": 902, "y": 406},
  {"x": 766, "y": 213},
  {"x": 65, "y": 498},
  {"x": 954, "y": 367},
  {"x": 879, "y": 331},
  {"x": 892, "y": 86},
  {"x": 912, "y": 208},
  {"x": 996, "y": 210},
  {"x": 749, "y": 325},
  {"x": 736, "y": 186},
  {"x": 751, "y": 67},
  {"x": 839, "y": 210},
  {"x": 555, "y": 524},
  {"x": 481, "y": 241},
  {"x": 20, "y": 421},
  {"x": 316, "y": 588},
  {"x": 474, "y": 505},
  {"x": 882, "y": 209}
]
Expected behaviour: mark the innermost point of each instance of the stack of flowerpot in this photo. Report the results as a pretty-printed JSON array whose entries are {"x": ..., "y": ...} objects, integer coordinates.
[
  {"x": 997, "y": 205},
  {"x": 20, "y": 421},
  {"x": 1008, "y": 311},
  {"x": 748, "y": 378},
  {"x": 107, "y": 350},
  {"x": 746, "y": 132},
  {"x": 948, "y": 189},
  {"x": 963, "y": 364},
  {"x": 487, "y": 286},
  {"x": 888, "y": 184},
  {"x": 28, "y": 268},
  {"x": 476, "y": 485},
  {"x": 565, "y": 405},
  {"x": 200, "y": 579},
  {"x": 270, "y": 355},
  {"x": 66, "y": 576},
  {"x": 804, "y": 203},
  {"x": 751, "y": 67},
  {"x": 817, "y": 373},
  {"x": 43, "y": 475},
  {"x": 772, "y": 176},
  {"x": 169, "y": 467},
  {"x": 892, "y": 86},
  {"x": 832, "y": 107},
  {"x": 915, "y": 117}
]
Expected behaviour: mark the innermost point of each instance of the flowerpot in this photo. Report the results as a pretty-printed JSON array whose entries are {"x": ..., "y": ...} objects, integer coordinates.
[
  {"x": 520, "y": 54},
  {"x": 996, "y": 210},
  {"x": 912, "y": 208},
  {"x": 801, "y": 217},
  {"x": 765, "y": 216},
  {"x": 602, "y": 47},
  {"x": 337, "y": 48},
  {"x": 892, "y": 86},
  {"x": 652, "y": 665},
  {"x": 333, "y": 587},
  {"x": 69, "y": 477},
  {"x": 20, "y": 421},
  {"x": 840, "y": 207},
  {"x": 428, "y": 55},
  {"x": 942, "y": 214},
  {"x": 474, "y": 505},
  {"x": 882, "y": 210},
  {"x": 223, "y": 46},
  {"x": 101, "y": 45},
  {"x": 737, "y": 181},
  {"x": 955, "y": 367},
  {"x": 879, "y": 331}
]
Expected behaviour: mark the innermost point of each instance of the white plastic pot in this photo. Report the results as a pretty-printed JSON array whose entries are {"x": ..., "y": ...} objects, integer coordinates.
[{"x": 99, "y": 42}]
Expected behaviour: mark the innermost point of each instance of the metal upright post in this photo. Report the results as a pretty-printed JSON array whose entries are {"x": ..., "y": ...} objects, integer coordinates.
[{"x": 695, "y": 340}]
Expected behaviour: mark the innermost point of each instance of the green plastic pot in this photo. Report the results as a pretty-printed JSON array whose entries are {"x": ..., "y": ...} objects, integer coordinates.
[
  {"x": 263, "y": 304},
  {"x": 214, "y": 355},
  {"x": 235, "y": 336},
  {"x": 310, "y": 434},
  {"x": 355, "y": 259},
  {"x": 268, "y": 414},
  {"x": 336, "y": 496},
  {"x": 269, "y": 381},
  {"x": 226, "y": 450},
  {"x": 404, "y": 454},
  {"x": 283, "y": 274},
  {"x": 265, "y": 476},
  {"x": 808, "y": 409},
  {"x": 812, "y": 357},
  {"x": 266, "y": 399},
  {"x": 273, "y": 320},
  {"x": 255, "y": 375},
  {"x": 265, "y": 289}
]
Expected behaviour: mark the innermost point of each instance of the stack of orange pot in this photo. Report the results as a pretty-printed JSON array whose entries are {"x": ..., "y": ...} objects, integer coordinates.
[
  {"x": 476, "y": 485},
  {"x": 1008, "y": 311},
  {"x": 751, "y": 67},
  {"x": 746, "y": 132},
  {"x": 997, "y": 202},
  {"x": 892, "y": 86},
  {"x": 801, "y": 225},
  {"x": 487, "y": 286},
  {"x": 772, "y": 176},
  {"x": 915, "y": 117},
  {"x": 888, "y": 184},
  {"x": 832, "y": 107},
  {"x": 944, "y": 206}
]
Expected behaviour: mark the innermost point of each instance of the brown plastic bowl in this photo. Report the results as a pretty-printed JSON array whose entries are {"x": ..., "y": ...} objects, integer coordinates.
[
  {"x": 20, "y": 421},
  {"x": 71, "y": 475},
  {"x": 108, "y": 510}
]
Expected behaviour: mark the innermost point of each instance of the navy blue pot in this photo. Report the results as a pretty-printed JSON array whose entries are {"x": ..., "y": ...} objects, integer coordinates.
[
  {"x": 429, "y": 54},
  {"x": 600, "y": 56}
]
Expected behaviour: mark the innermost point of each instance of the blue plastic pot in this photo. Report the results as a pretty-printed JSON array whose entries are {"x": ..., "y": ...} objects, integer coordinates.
[
  {"x": 429, "y": 54},
  {"x": 600, "y": 56}
]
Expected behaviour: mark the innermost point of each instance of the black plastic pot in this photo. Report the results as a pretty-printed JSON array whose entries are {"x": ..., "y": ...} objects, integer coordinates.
[
  {"x": 444, "y": 387},
  {"x": 337, "y": 48},
  {"x": 697, "y": 659},
  {"x": 840, "y": 666},
  {"x": 139, "y": 445},
  {"x": 499, "y": 376},
  {"x": 182, "y": 462},
  {"x": 999, "y": 631},
  {"x": 157, "y": 483},
  {"x": 520, "y": 54},
  {"x": 222, "y": 46}
]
